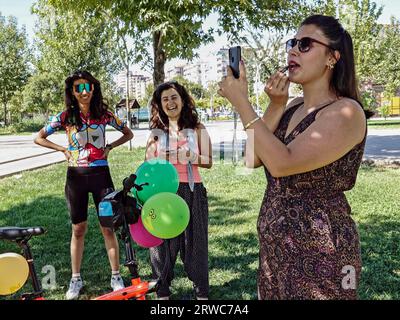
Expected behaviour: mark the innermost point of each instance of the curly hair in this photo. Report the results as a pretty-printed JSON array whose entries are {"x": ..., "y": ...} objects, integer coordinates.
[
  {"x": 188, "y": 119},
  {"x": 98, "y": 107}
]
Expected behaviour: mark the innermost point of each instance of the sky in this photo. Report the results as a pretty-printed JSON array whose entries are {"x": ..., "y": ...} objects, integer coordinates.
[{"x": 21, "y": 10}]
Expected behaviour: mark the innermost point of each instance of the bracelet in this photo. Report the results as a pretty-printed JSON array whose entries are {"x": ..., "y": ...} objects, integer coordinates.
[
  {"x": 251, "y": 122},
  {"x": 109, "y": 146}
]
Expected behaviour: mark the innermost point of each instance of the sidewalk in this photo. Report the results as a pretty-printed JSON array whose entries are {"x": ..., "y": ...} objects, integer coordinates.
[{"x": 19, "y": 153}]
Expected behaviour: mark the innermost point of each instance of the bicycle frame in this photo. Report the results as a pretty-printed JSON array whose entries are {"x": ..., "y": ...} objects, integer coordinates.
[
  {"x": 37, "y": 293},
  {"x": 138, "y": 288},
  {"x": 24, "y": 235}
]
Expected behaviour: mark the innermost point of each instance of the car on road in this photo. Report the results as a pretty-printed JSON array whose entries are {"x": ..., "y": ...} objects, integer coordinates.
[
  {"x": 142, "y": 114},
  {"x": 139, "y": 115}
]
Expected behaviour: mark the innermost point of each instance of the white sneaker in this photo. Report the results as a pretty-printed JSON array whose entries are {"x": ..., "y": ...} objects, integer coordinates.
[
  {"x": 117, "y": 283},
  {"x": 75, "y": 287}
]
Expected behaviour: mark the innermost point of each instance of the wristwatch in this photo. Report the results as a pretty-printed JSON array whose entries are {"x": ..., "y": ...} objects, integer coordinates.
[{"x": 109, "y": 146}]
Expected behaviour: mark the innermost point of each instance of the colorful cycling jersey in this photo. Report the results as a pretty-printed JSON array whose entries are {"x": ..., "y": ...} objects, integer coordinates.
[{"x": 87, "y": 143}]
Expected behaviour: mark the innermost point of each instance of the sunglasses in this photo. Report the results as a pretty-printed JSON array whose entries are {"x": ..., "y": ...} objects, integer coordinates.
[
  {"x": 305, "y": 44},
  {"x": 83, "y": 86}
]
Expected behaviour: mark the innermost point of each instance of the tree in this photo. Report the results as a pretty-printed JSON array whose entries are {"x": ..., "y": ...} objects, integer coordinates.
[
  {"x": 43, "y": 94},
  {"x": 148, "y": 95},
  {"x": 14, "y": 59},
  {"x": 360, "y": 19},
  {"x": 375, "y": 45},
  {"x": 175, "y": 28},
  {"x": 195, "y": 90},
  {"x": 388, "y": 66},
  {"x": 65, "y": 42},
  {"x": 264, "y": 47}
]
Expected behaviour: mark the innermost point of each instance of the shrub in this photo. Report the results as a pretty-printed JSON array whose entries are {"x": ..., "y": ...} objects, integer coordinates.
[{"x": 29, "y": 125}]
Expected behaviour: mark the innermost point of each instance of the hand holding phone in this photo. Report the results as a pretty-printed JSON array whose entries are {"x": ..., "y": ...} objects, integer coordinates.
[{"x": 234, "y": 60}]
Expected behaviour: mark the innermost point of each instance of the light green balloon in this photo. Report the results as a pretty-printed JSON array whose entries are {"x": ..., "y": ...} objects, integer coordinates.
[
  {"x": 165, "y": 215},
  {"x": 161, "y": 175}
]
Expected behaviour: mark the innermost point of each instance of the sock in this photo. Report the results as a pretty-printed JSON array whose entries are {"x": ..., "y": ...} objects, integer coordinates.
[
  {"x": 115, "y": 273},
  {"x": 76, "y": 275}
]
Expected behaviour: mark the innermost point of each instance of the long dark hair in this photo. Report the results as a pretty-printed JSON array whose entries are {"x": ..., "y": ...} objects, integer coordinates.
[
  {"x": 343, "y": 81},
  {"x": 188, "y": 119},
  {"x": 98, "y": 107}
]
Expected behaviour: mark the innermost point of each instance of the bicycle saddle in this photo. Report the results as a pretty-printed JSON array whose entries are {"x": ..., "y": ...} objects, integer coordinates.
[{"x": 16, "y": 233}]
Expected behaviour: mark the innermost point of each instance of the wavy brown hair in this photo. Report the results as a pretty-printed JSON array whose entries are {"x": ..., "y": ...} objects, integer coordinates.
[
  {"x": 98, "y": 107},
  {"x": 188, "y": 119}
]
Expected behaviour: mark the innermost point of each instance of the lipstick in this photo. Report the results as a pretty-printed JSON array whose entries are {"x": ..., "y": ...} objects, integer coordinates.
[{"x": 284, "y": 69}]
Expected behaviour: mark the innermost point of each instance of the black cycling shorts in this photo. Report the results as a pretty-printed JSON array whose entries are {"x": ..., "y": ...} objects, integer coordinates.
[{"x": 81, "y": 181}]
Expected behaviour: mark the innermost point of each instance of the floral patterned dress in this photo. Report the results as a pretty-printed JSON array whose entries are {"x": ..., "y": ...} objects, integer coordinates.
[{"x": 309, "y": 244}]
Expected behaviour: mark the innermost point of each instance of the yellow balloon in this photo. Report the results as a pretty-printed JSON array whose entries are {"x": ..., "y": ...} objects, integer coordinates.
[{"x": 14, "y": 272}]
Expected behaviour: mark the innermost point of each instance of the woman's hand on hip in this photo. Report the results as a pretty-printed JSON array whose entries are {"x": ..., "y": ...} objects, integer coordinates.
[{"x": 67, "y": 154}]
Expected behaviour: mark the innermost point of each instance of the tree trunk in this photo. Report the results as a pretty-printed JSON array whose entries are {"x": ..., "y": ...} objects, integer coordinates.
[
  {"x": 159, "y": 59},
  {"x": 5, "y": 114}
]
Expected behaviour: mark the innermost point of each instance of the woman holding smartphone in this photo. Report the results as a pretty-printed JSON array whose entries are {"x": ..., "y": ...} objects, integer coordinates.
[
  {"x": 178, "y": 136},
  {"x": 311, "y": 150}
]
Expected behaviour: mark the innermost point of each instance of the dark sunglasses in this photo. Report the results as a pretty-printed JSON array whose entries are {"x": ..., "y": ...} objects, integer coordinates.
[
  {"x": 305, "y": 44},
  {"x": 83, "y": 86}
]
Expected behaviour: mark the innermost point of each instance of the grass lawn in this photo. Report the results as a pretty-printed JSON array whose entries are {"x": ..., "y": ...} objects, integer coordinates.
[
  {"x": 36, "y": 198},
  {"x": 6, "y": 132},
  {"x": 384, "y": 124}
]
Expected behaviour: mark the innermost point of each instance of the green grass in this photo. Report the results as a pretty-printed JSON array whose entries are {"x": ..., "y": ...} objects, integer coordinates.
[
  {"x": 36, "y": 198},
  {"x": 384, "y": 124},
  {"x": 7, "y": 132}
]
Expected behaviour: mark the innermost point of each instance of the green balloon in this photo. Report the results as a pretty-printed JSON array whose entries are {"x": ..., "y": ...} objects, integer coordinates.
[
  {"x": 165, "y": 215},
  {"x": 160, "y": 175}
]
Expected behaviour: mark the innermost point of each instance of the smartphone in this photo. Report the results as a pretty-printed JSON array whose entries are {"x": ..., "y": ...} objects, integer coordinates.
[{"x": 234, "y": 60}]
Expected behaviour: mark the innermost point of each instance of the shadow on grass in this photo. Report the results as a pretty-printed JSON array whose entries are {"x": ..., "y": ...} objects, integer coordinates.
[
  {"x": 226, "y": 211},
  {"x": 233, "y": 261},
  {"x": 53, "y": 248},
  {"x": 238, "y": 265},
  {"x": 233, "y": 256},
  {"x": 380, "y": 249}
]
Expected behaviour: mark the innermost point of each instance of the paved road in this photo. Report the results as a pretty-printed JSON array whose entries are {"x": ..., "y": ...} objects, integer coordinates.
[{"x": 19, "y": 153}]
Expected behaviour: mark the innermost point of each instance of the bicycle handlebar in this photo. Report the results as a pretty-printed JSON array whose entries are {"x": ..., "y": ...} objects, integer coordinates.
[{"x": 129, "y": 183}]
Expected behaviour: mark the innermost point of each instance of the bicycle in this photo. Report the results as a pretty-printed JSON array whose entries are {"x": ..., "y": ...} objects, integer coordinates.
[{"x": 128, "y": 211}]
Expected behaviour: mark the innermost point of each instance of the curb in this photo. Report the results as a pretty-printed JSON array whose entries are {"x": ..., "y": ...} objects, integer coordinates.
[
  {"x": 30, "y": 169},
  {"x": 381, "y": 163}
]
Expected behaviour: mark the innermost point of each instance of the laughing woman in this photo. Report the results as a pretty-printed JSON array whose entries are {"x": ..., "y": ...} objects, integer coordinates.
[{"x": 179, "y": 137}]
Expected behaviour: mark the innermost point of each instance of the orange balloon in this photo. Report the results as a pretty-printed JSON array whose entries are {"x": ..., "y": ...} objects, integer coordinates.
[{"x": 14, "y": 272}]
